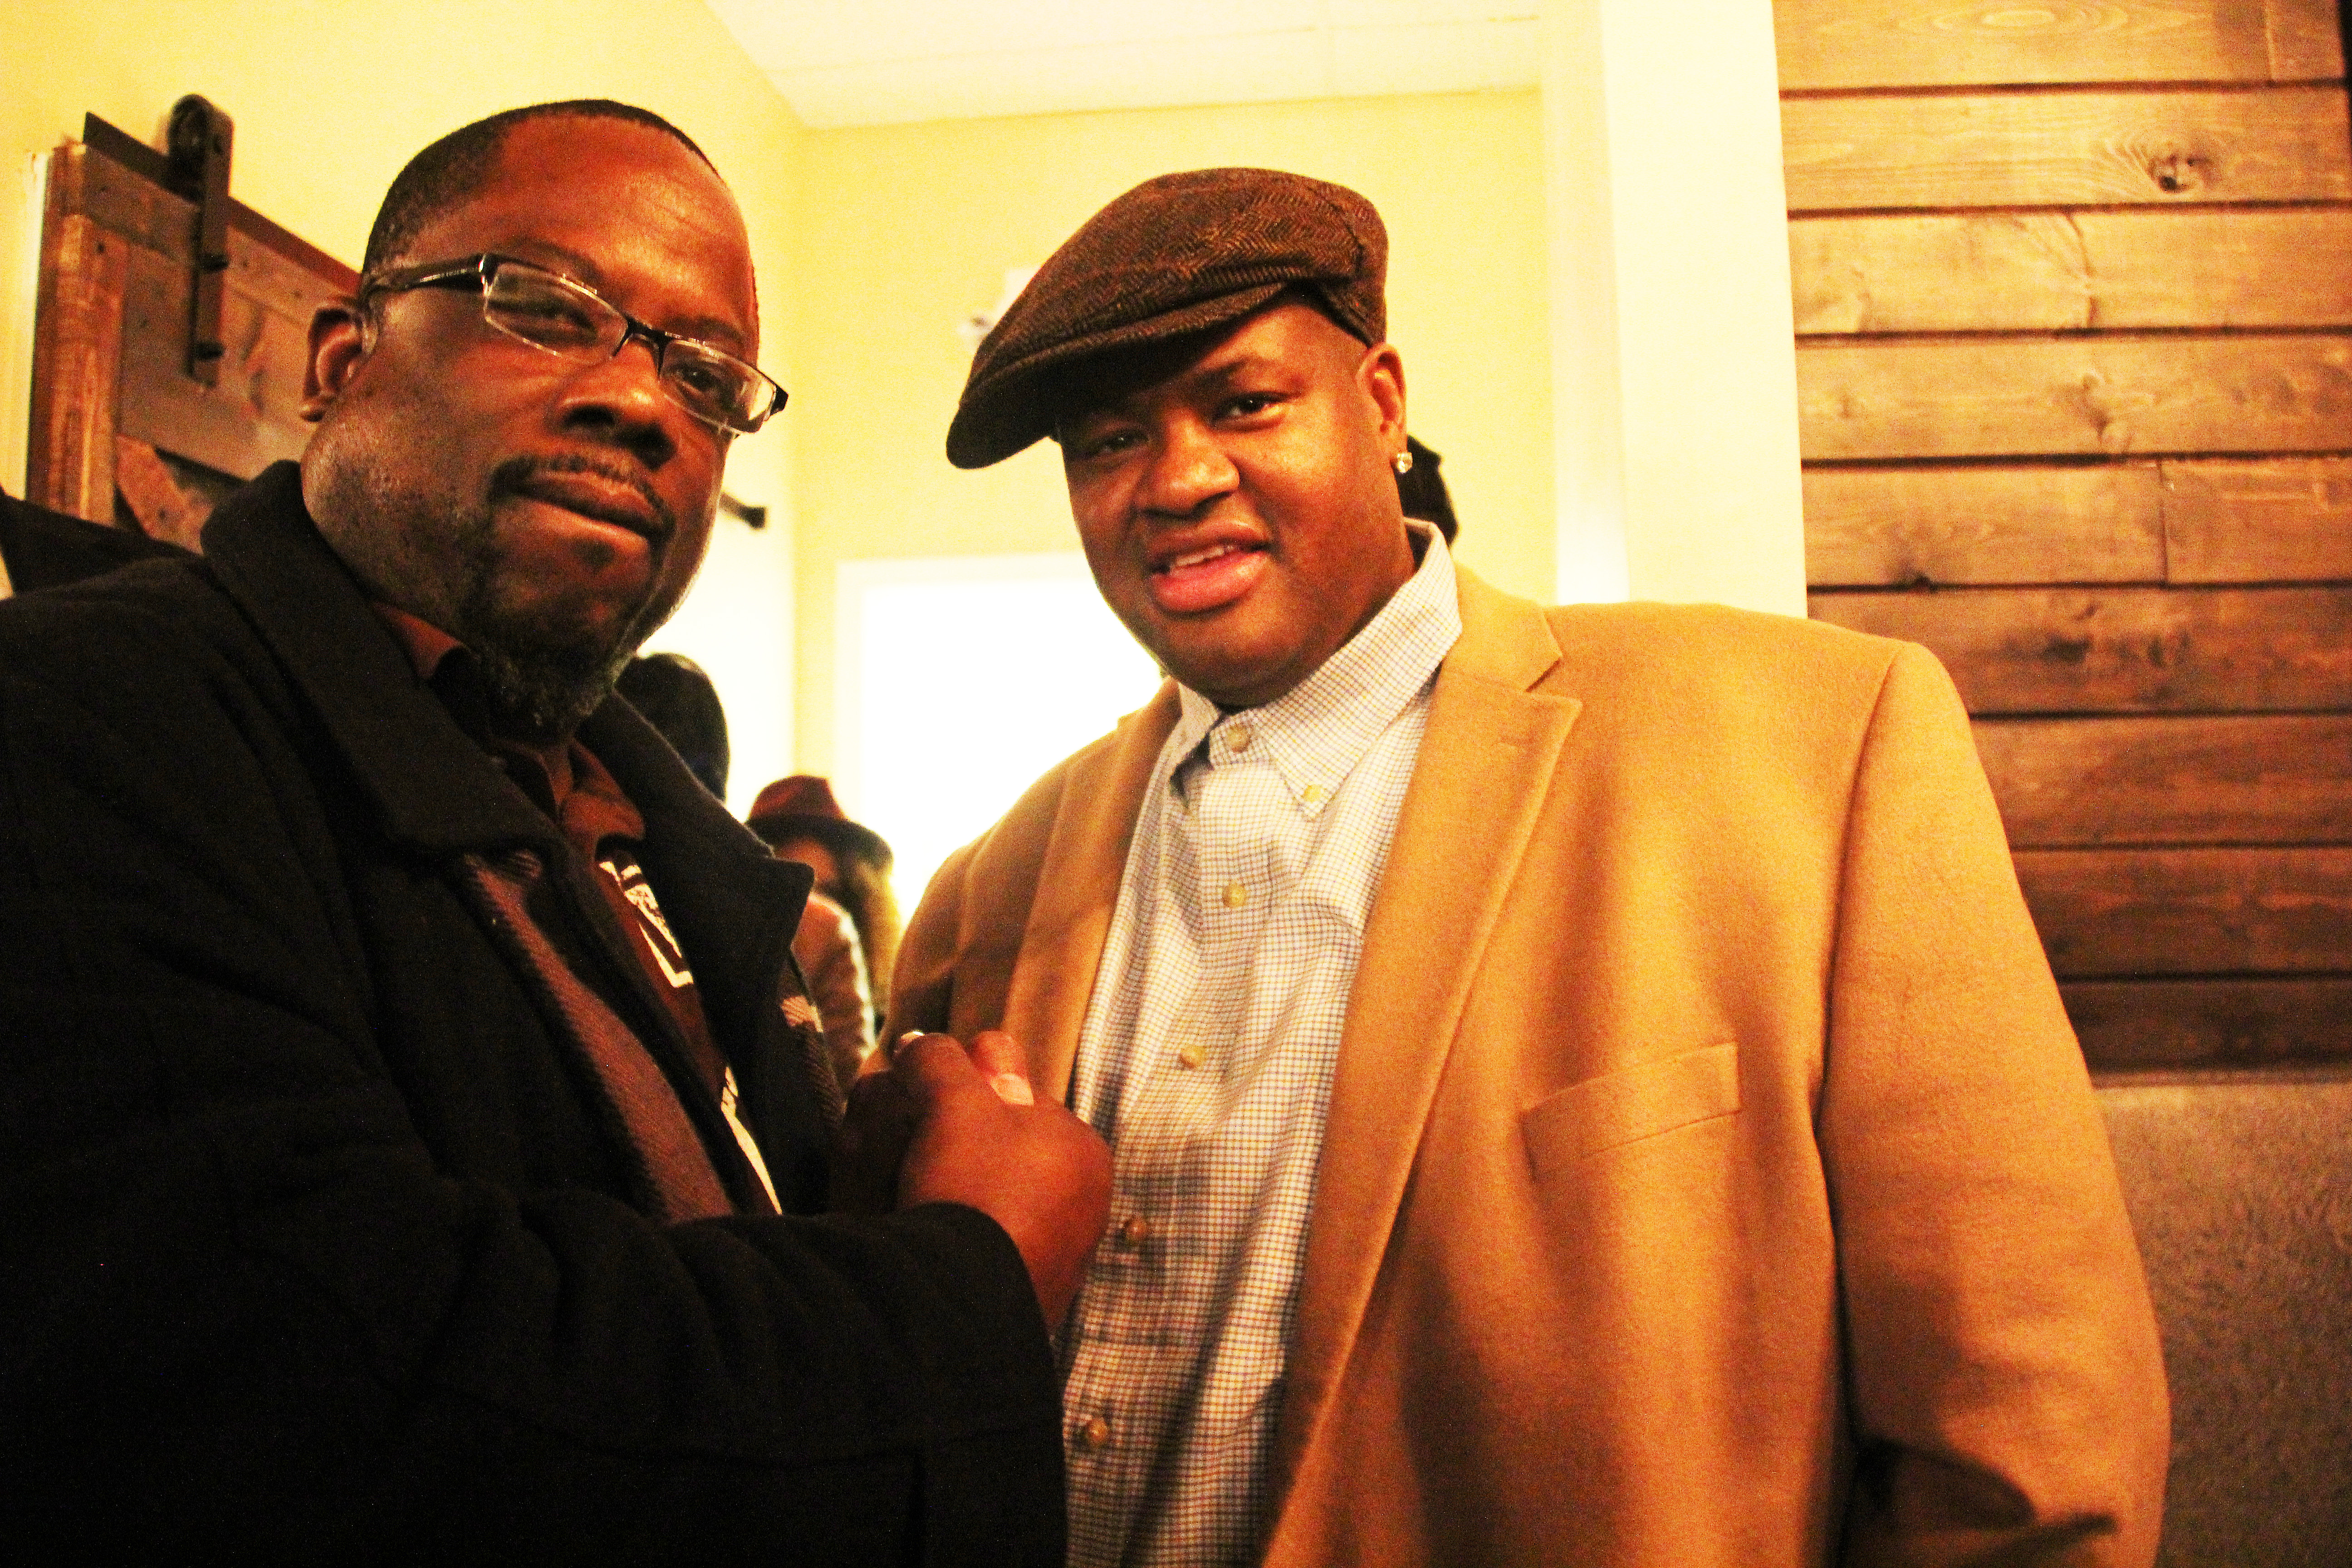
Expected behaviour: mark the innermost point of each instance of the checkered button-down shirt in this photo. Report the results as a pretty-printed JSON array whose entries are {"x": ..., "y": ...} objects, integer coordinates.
[{"x": 1206, "y": 1060}]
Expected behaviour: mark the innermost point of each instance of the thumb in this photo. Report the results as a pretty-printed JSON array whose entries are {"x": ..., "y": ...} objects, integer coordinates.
[
  {"x": 1002, "y": 1061},
  {"x": 931, "y": 1067}
]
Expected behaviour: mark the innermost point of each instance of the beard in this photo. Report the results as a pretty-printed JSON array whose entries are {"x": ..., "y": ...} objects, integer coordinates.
[{"x": 543, "y": 673}]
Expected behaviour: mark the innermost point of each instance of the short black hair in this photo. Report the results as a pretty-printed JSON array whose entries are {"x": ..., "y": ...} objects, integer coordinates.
[
  {"x": 453, "y": 168},
  {"x": 675, "y": 695}
]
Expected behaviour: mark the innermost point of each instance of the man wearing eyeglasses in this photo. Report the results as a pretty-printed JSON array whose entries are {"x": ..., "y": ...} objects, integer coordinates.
[{"x": 415, "y": 1129}]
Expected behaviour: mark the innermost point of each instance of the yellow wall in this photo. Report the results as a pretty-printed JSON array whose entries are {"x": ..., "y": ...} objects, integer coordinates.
[
  {"x": 911, "y": 228},
  {"x": 330, "y": 97},
  {"x": 871, "y": 245}
]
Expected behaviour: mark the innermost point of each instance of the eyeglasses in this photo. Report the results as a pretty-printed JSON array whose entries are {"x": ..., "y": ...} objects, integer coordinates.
[{"x": 572, "y": 321}]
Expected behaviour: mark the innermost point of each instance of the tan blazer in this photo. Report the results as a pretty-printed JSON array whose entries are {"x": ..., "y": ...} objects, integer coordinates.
[{"x": 1711, "y": 1175}]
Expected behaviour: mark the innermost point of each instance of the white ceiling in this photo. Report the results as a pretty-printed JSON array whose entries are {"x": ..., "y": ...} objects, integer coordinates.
[{"x": 879, "y": 62}]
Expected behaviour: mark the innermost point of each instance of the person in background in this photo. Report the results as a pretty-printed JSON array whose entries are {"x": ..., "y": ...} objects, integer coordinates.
[
  {"x": 414, "y": 1141},
  {"x": 1582, "y": 1083},
  {"x": 1420, "y": 490},
  {"x": 677, "y": 697},
  {"x": 800, "y": 820}
]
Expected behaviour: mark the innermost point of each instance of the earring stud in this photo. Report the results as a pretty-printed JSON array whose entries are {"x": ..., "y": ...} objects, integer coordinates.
[{"x": 1402, "y": 463}]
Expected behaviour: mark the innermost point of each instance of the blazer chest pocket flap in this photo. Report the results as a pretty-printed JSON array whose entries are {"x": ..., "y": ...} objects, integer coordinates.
[{"x": 1633, "y": 1104}]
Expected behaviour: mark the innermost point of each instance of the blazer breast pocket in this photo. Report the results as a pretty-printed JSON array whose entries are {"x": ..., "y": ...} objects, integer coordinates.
[{"x": 1629, "y": 1105}]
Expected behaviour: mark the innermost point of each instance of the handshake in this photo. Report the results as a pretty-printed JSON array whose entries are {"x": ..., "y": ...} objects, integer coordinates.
[{"x": 935, "y": 1121}]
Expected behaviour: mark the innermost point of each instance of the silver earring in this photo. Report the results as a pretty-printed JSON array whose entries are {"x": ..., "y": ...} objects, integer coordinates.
[{"x": 1402, "y": 463}]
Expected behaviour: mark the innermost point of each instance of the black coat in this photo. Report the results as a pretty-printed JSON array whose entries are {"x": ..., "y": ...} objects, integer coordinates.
[{"x": 317, "y": 1244}]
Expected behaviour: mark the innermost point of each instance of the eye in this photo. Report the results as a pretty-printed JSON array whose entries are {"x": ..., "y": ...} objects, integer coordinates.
[
  {"x": 1092, "y": 444},
  {"x": 1250, "y": 405}
]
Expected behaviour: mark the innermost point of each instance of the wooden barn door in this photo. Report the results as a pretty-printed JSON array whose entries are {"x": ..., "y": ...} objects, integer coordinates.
[{"x": 2074, "y": 303}]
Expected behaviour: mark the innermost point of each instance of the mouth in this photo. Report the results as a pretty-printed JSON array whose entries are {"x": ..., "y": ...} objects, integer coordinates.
[
  {"x": 1207, "y": 576},
  {"x": 597, "y": 492}
]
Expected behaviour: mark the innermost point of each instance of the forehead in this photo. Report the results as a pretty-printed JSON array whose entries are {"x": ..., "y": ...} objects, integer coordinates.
[
  {"x": 622, "y": 206},
  {"x": 1286, "y": 337}
]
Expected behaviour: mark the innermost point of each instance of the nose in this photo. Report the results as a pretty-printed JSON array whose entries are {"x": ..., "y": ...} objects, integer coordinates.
[
  {"x": 620, "y": 401},
  {"x": 1188, "y": 470}
]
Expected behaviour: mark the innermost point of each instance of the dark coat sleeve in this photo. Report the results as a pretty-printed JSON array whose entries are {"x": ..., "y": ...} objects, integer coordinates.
[{"x": 246, "y": 1314}]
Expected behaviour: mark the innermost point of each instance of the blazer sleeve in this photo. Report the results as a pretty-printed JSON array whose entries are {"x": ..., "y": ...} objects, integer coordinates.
[
  {"x": 247, "y": 1315},
  {"x": 2005, "y": 1380}
]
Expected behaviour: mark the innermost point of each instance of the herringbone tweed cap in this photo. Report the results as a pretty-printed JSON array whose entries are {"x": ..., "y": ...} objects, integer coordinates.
[{"x": 1176, "y": 255}]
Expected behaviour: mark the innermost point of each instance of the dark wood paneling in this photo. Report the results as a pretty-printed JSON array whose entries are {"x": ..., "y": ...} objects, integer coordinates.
[
  {"x": 2138, "y": 1024},
  {"x": 1883, "y": 527},
  {"x": 2274, "y": 519},
  {"x": 2110, "y": 913},
  {"x": 2082, "y": 396},
  {"x": 2066, "y": 149},
  {"x": 2115, "y": 650},
  {"x": 2022, "y": 271},
  {"x": 1919, "y": 43},
  {"x": 76, "y": 354},
  {"x": 2227, "y": 779}
]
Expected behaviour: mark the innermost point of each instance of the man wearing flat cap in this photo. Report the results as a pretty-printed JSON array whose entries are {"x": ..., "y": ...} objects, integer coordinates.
[{"x": 1582, "y": 1083}]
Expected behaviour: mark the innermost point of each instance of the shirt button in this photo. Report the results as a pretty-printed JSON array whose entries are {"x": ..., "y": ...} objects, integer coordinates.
[
  {"x": 1191, "y": 1056},
  {"x": 1235, "y": 895},
  {"x": 1312, "y": 794},
  {"x": 1094, "y": 1434},
  {"x": 1240, "y": 736},
  {"x": 1133, "y": 1230}
]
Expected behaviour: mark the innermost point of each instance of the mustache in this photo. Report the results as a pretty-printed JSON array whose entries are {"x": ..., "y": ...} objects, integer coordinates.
[{"x": 515, "y": 475}]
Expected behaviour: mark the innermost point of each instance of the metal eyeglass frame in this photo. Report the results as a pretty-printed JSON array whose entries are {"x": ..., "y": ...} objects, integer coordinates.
[{"x": 477, "y": 272}]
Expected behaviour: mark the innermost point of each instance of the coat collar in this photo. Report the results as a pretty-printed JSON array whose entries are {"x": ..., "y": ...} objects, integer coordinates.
[{"x": 436, "y": 792}]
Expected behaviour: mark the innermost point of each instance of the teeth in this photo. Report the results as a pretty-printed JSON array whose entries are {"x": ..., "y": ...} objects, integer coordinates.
[{"x": 1198, "y": 556}]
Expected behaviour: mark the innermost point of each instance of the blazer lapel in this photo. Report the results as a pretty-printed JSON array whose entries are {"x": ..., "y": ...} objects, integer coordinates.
[
  {"x": 1077, "y": 891},
  {"x": 1487, "y": 758}
]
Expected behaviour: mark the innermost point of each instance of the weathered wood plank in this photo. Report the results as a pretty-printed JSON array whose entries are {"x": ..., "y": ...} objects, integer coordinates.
[
  {"x": 2270, "y": 521},
  {"x": 2220, "y": 779},
  {"x": 77, "y": 352},
  {"x": 2076, "y": 397},
  {"x": 2066, "y": 149},
  {"x": 2124, "y": 651},
  {"x": 2137, "y": 1024},
  {"x": 2305, "y": 43},
  {"x": 2057, "y": 272},
  {"x": 1921, "y": 43},
  {"x": 1886, "y": 527},
  {"x": 245, "y": 422},
  {"x": 2116, "y": 913}
]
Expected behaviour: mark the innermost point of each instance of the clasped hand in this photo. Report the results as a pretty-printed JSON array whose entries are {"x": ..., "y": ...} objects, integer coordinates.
[{"x": 947, "y": 1124}]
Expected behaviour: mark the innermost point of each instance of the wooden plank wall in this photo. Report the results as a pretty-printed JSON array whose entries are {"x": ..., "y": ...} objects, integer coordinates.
[{"x": 2074, "y": 302}]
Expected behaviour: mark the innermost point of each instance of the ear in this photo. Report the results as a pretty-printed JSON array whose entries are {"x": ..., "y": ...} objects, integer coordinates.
[
  {"x": 339, "y": 346},
  {"x": 1380, "y": 374}
]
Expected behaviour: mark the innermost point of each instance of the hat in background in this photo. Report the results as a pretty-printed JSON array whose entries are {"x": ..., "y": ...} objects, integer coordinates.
[
  {"x": 1176, "y": 254},
  {"x": 802, "y": 806}
]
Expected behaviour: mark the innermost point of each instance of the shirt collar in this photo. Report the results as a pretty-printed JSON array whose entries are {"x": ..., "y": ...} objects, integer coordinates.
[{"x": 1316, "y": 732}]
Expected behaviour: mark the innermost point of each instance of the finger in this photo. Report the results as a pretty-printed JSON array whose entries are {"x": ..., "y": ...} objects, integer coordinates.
[
  {"x": 1001, "y": 1061},
  {"x": 929, "y": 1067}
]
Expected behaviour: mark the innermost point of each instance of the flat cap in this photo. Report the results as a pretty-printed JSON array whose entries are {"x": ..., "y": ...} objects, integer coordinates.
[{"x": 1176, "y": 254}]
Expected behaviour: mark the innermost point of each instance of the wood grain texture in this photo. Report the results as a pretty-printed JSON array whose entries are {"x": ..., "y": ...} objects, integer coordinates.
[
  {"x": 162, "y": 508},
  {"x": 76, "y": 359},
  {"x": 2271, "y": 520},
  {"x": 2117, "y": 913},
  {"x": 2208, "y": 779},
  {"x": 2181, "y": 521},
  {"x": 1921, "y": 43},
  {"x": 2059, "y": 271},
  {"x": 2124, "y": 651},
  {"x": 2066, "y": 149},
  {"x": 246, "y": 421},
  {"x": 2017, "y": 397},
  {"x": 2128, "y": 1025},
  {"x": 1871, "y": 527}
]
